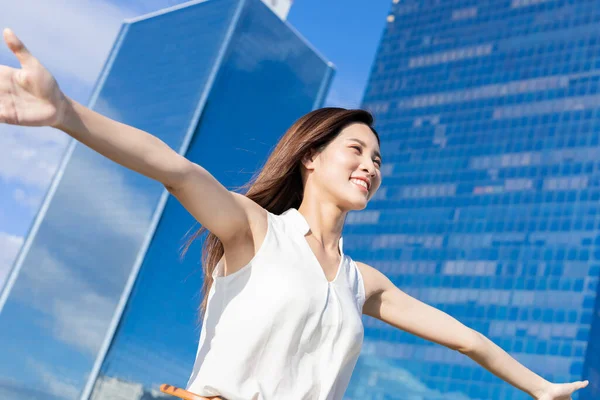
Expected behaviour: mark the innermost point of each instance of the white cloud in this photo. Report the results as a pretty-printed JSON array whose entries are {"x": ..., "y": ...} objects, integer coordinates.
[
  {"x": 73, "y": 49},
  {"x": 9, "y": 247},
  {"x": 70, "y": 38},
  {"x": 81, "y": 311},
  {"x": 56, "y": 385},
  {"x": 83, "y": 323},
  {"x": 79, "y": 315},
  {"x": 30, "y": 156},
  {"x": 26, "y": 198}
]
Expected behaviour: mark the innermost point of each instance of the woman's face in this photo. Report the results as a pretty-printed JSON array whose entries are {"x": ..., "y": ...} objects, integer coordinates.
[{"x": 353, "y": 154}]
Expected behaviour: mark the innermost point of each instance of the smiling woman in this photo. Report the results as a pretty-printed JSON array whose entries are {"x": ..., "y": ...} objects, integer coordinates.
[{"x": 295, "y": 209}]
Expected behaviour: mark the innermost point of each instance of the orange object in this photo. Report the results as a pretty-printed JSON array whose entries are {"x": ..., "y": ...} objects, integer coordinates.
[{"x": 183, "y": 394}]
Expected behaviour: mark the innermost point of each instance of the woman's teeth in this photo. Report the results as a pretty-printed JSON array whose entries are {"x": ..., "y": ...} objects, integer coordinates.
[{"x": 360, "y": 182}]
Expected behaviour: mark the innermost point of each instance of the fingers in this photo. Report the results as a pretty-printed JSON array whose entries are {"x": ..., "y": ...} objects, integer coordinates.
[
  {"x": 17, "y": 47},
  {"x": 580, "y": 384}
]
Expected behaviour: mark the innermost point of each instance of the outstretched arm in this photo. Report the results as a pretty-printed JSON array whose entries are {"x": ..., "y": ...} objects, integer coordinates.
[
  {"x": 30, "y": 96},
  {"x": 391, "y": 305}
]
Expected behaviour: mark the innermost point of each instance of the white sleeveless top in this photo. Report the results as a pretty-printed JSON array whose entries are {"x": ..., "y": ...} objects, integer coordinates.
[{"x": 277, "y": 329}]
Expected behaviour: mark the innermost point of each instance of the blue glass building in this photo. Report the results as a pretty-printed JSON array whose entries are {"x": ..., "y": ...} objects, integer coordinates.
[
  {"x": 489, "y": 116},
  {"x": 99, "y": 303}
]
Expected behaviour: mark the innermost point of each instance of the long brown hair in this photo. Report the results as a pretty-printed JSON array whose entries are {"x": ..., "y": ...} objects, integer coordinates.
[{"x": 278, "y": 185}]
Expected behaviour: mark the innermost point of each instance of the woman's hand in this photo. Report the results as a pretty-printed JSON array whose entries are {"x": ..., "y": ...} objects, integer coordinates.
[
  {"x": 560, "y": 391},
  {"x": 29, "y": 96}
]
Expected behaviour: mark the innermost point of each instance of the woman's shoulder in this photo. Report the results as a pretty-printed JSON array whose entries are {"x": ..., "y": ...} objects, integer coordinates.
[
  {"x": 240, "y": 252},
  {"x": 374, "y": 280},
  {"x": 257, "y": 215}
]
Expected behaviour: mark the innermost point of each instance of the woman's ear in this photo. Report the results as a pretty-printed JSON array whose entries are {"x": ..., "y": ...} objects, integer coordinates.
[{"x": 308, "y": 159}]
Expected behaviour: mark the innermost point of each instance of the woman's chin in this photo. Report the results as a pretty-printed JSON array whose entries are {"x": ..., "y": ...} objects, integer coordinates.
[{"x": 359, "y": 204}]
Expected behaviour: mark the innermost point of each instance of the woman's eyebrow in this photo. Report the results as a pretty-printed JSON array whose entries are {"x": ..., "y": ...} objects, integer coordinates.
[{"x": 365, "y": 145}]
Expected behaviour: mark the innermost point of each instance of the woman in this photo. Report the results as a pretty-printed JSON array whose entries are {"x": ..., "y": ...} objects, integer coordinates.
[{"x": 283, "y": 303}]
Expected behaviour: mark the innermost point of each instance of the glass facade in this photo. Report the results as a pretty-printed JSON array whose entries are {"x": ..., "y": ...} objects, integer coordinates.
[
  {"x": 218, "y": 80},
  {"x": 489, "y": 117}
]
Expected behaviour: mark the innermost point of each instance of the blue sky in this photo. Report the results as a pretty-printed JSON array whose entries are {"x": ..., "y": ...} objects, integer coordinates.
[{"x": 72, "y": 39}]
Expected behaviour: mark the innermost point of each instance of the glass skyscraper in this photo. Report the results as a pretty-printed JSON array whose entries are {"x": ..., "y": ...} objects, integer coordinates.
[
  {"x": 489, "y": 116},
  {"x": 99, "y": 304}
]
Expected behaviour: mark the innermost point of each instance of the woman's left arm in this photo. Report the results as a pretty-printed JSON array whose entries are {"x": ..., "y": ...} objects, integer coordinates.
[{"x": 391, "y": 305}]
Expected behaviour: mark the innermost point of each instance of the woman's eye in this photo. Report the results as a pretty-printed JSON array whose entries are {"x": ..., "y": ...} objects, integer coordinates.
[{"x": 378, "y": 162}]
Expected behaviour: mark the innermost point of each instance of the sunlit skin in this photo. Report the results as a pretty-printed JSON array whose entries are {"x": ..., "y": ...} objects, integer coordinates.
[
  {"x": 30, "y": 96},
  {"x": 329, "y": 192}
]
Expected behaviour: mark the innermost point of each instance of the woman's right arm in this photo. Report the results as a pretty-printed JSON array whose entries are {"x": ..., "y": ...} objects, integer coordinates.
[
  {"x": 31, "y": 97},
  {"x": 222, "y": 212}
]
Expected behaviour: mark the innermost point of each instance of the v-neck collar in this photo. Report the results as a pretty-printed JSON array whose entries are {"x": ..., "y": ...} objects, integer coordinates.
[{"x": 301, "y": 224}]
